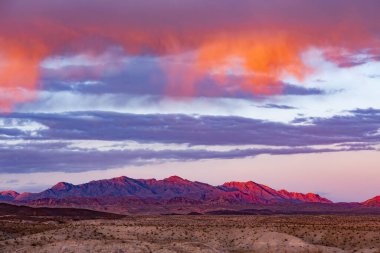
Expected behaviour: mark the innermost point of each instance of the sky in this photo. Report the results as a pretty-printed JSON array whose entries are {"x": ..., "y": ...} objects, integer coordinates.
[{"x": 280, "y": 92}]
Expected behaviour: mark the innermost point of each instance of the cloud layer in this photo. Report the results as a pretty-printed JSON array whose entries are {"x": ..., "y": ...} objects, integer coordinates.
[
  {"x": 68, "y": 142},
  {"x": 193, "y": 130},
  {"x": 262, "y": 41}
]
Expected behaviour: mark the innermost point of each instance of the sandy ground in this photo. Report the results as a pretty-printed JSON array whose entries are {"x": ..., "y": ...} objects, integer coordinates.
[{"x": 235, "y": 234}]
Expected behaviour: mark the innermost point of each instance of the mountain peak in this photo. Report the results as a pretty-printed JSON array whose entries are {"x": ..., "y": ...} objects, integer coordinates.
[
  {"x": 121, "y": 179},
  {"x": 9, "y": 193},
  {"x": 176, "y": 179},
  {"x": 62, "y": 186}
]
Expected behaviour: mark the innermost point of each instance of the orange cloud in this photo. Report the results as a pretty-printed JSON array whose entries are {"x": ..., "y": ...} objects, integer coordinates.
[
  {"x": 265, "y": 59},
  {"x": 19, "y": 71},
  {"x": 268, "y": 38}
]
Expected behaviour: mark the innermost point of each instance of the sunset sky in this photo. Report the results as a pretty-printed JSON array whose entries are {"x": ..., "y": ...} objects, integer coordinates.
[{"x": 281, "y": 92}]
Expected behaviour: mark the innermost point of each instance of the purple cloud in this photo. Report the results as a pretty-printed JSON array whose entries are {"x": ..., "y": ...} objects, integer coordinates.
[
  {"x": 145, "y": 76},
  {"x": 53, "y": 157},
  {"x": 361, "y": 126},
  {"x": 49, "y": 148}
]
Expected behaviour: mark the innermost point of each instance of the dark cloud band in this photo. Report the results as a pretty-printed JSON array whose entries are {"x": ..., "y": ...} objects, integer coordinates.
[
  {"x": 361, "y": 126},
  {"x": 42, "y": 141}
]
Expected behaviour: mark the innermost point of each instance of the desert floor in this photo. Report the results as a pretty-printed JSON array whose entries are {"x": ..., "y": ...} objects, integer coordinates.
[{"x": 235, "y": 234}]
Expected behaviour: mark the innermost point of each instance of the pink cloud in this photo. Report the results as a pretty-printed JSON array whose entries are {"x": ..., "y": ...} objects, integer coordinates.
[{"x": 269, "y": 37}]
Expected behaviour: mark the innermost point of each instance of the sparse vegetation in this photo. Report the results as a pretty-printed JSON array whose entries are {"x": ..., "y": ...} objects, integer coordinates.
[{"x": 235, "y": 234}]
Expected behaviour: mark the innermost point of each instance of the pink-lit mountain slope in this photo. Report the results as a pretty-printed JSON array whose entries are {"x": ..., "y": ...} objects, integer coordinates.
[
  {"x": 308, "y": 197},
  {"x": 8, "y": 195},
  {"x": 173, "y": 189},
  {"x": 374, "y": 202}
]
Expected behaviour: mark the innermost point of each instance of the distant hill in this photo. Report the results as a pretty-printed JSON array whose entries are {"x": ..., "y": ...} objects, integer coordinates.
[{"x": 25, "y": 211}]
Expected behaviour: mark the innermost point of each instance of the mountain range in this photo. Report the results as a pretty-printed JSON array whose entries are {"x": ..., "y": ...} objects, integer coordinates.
[{"x": 128, "y": 195}]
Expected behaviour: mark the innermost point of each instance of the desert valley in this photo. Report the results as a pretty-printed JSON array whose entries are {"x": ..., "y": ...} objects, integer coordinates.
[{"x": 71, "y": 230}]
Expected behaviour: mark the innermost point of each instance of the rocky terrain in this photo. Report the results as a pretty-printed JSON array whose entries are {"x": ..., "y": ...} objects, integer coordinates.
[{"x": 191, "y": 233}]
